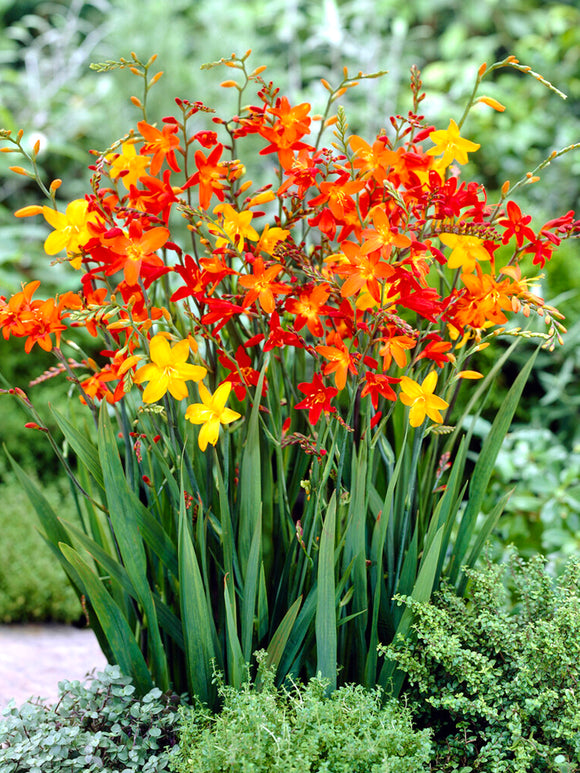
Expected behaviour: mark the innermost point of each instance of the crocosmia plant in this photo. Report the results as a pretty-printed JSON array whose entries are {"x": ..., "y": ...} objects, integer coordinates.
[{"x": 272, "y": 322}]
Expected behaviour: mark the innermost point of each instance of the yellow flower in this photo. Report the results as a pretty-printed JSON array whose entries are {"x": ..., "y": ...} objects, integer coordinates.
[
  {"x": 127, "y": 165},
  {"x": 451, "y": 144},
  {"x": 168, "y": 370},
  {"x": 466, "y": 251},
  {"x": 71, "y": 229},
  {"x": 270, "y": 238},
  {"x": 211, "y": 412},
  {"x": 421, "y": 399},
  {"x": 235, "y": 227}
]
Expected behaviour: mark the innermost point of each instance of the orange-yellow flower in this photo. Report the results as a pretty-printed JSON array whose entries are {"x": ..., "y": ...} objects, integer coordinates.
[
  {"x": 168, "y": 370},
  {"x": 395, "y": 348},
  {"x": 421, "y": 400},
  {"x": 340, "y": 362},
  {"x": 127, "y": 165},
  {"x": 211, "y": 412},
  {"x": 235, "y": 227},
  {"x": 451, "y": 144},
  {"x": 70, "y": 229},
  {"x": 466, "y": 251}
]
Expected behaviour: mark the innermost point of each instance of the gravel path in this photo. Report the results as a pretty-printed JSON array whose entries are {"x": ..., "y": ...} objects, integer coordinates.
[{"x": 34, "y": 658}]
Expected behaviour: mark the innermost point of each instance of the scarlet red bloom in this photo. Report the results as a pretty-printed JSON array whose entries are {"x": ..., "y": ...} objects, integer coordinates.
[
  {"x": 317, "y": 398},
  {"x": 309, "y": 307},
  {"x": 516, "y": 225},
  {"x": 378, "y": 385}
]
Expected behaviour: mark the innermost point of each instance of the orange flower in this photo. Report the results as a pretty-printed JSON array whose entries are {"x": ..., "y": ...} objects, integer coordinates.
[
  {"x": 383, "y": 237},
  {"x": 161, "y": 144},
  {"x": 261, "y": 285},
  {"x": 363, "y": 271},
  {"x": 285, "y": 134},
  {"x": 395, "y": 348},
  {"x": 134, "y": 248},
  {"x": 210, "y": 176},
  {"x": 340, "y": 362},
  {"x": 35, "y": 320},
  {"x": 308, "y": 307}
]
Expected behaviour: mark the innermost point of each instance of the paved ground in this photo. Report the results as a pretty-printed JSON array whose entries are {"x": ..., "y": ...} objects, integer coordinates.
[{"x": 34, "y": 658}]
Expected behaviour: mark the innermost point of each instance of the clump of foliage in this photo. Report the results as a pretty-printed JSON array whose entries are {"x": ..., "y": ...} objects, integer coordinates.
[
  {"x": 265, "y": 729},
  {"x": 498, "y": 686},
  {"x": 543, "y": 513},
  {"x": 96, "y": 726},
  {"x": 32, "y": 590}
]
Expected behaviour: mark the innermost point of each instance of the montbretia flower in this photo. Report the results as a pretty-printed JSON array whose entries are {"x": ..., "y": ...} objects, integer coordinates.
[
  {"x": 451, "y": 144},
  {"x": 421, "y": 400},
  {"x": 211, "y": 413},
  {"x": 168, "y": 370}
]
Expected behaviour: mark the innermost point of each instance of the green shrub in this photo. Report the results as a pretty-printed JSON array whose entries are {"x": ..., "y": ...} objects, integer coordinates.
[
  {"x": 499, "y": 687},
  {"x": 95, "y": 726},
  {"x": 269, "y": 730},
  {"x": 33, "y": 586}
]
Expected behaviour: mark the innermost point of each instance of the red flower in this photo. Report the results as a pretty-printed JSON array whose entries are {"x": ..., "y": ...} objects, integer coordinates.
[
  {"x": 378, "y": 386},
  {"x": 516, "y": 225},
  {"x": 317, "y": 398}
]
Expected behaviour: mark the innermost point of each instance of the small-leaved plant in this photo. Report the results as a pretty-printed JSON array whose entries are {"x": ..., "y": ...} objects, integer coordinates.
[
  {"x": 498, "y": 683},
  {"x": 99, "y": 725},
  {"x": 265, "y": 729}
]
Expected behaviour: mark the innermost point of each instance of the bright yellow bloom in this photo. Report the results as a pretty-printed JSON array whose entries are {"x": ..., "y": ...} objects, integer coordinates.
[
  {"x": 127, "y": 165},
  {"x": 466, "y": 251},
  {"x": 235, "y": 227},
  {"x": 168, "y": 370},
  {"x": 71, "y": 229},
  {"x": 421, "y": 400},
  {"x": 451, "y": 144},
  {"x": 270, "y": 238},
  {"x": 211, "y": 412}
]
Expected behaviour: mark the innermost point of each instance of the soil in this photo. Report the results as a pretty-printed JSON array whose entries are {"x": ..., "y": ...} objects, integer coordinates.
[{"x": 35, "y": 657}]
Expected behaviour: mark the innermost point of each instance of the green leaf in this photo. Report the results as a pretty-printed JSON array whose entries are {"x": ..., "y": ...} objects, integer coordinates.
[
  {"x": 326, "y": 638},
  {"x": 236, "y": 660},
  {"x": 196, "y": 617},
  {"x": 250, "y": 573},
  {"x": 122, "y": 511},
  {"x": 85, "y": 451},
  {"x": 250, "y": 481},
  {"x": 120, "y": 638},
  {"x": 483, "y": 533},
  {"x": 484, "y": 467},
  {"x": 421, "y": 592},
  {"x": 281, "y": 635}
]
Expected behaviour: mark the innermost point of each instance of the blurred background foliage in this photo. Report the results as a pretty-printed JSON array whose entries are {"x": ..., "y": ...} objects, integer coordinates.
[{"x": 48, "y": 90}]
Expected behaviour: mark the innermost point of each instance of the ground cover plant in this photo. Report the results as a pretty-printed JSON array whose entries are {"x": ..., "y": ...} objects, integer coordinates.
[
  {"x": 327, "y": 313},
  {"x": 98, "y": 726},
  {"x": 495, "y": 674},
  {"x": 265, "y": 729}
]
